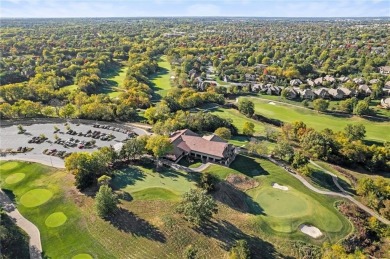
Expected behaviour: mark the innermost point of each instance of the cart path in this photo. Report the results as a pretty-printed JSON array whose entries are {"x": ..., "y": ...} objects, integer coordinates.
[{"x": 31, "y": 230}]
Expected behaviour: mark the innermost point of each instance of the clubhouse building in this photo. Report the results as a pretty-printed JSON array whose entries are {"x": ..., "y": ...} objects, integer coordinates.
[{"x": 207, "y": 148}]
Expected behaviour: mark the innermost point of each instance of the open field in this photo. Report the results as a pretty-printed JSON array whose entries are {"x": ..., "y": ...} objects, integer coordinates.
[
  {"x": 146, "y": 224},
  {"x": 40, "y": 194},
  {"x": 115, "y": 79},
  {"x": 143, "y": 183},
  {"x": 376, "y": 131},
  {"x": 161, "y": 81},
  {"x": 281, "y": 212}
]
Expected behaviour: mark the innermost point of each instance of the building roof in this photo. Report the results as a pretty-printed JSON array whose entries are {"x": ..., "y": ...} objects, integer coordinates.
[{"x": 187, "y": 141}]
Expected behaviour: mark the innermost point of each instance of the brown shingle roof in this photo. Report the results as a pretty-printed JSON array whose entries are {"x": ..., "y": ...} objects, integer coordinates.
[{"x": 201, "y": 145}]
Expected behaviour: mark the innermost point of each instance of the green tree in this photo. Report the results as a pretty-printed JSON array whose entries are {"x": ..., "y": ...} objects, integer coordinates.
[
  {"x": 361, "y": 108},
  {"x": 197, "y": 207},
  {"x": 105, "y": 201},
  {"x": 207, "y": 182},
  {"x": 223, "y": 133},
  {"x": 248, "y": 128},
  {"x": 246, "y": 107},
  {"x": 299, "y": 160},
  {"x": 355, "y": 132},
  {"x": 132, "y": 148},
  {"x": 320, "y": 105},
  {"x": 104, "y": 180},
  {"x": 159, "y": 146},
  {"x": 240, "y": 250},
  {"x": 284, "y": 150},
  {"x": 68, "y": 111}
]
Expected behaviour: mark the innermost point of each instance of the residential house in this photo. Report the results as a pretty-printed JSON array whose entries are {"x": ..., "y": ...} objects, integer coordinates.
[
  {"x": 359, "y": 80},
  {"x": 374, "y": 81},
  {"x": 336, "y": 93},
  {"x": 322, "y": 93},
  {"x": 386, "y": 88},
  {"x": 291, "y": 93},
  {"x": 307, "y": 94},
  {"x": 270, "y": 78},
  {"x": 347, "y": 92},
  {"x": 318, "y": 81},
  {"x": 250, "y": 77},
  {"x": 207, "y": 148},
  {"x": 385, "y": 103},
  {"x": 384, "y": 70},
  {"x": 274, "y": 90},
  {"x": 310, "y": 82},
  {"x": 295, "y": 82},
  {"x": 343, "y": 79},
  {"x": 329, "y": 78},
  {"x": 365, "y": 90}
]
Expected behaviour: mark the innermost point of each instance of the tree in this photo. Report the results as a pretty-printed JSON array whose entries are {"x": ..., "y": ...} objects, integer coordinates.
[
  {"x": 248, "y": 128},
  {"x": 284, "y": 150},
  {"x": 67, "y": 111},
  {"x": 240, "y": 250},
  {"x": 320, "y": 105},
  {"x": 223, "y": 133},
  {"x": 246, "y": 107},
  {"x": 104, "y": 180},
  {"x": 207, "y": 182},
  {"x": 197, "y": 207},
  {"x": 21, "y": 130},
  {"x": 299, "y": 160},
  {"x": 362, "y": 108},
  {"x": 159, "y": 145},
  {"x": 355, "y": 132},
  {"x": 257, "y": 147},
  {"x": 105, "y": 201},
  {"x": 132, "y": 148}
]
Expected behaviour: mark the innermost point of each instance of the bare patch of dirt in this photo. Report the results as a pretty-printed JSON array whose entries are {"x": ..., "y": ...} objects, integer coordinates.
[{"x": 242, "y": 182}]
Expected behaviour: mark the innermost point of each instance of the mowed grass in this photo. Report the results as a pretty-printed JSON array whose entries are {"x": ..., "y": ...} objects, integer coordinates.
[
  {"x": 280, "y": 212},
  {"x": 144, "y": 184},
  {"x": 63, "y": 241},
  {"x": 375, "y": 131},
  {"x": 114, "y": 79},
  {"x": 161, "y": 81}
]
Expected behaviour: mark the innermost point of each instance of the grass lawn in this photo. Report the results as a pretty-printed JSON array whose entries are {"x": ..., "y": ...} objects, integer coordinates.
[
  {"x": 143, "y": 183},
  {"x": 115, "y": 79},
  {"x": 282, "y": 212},
  {"x": 376, "y": 131},
  {"x": 161, "y": 81},
  {"x": 41, "y": 199}
]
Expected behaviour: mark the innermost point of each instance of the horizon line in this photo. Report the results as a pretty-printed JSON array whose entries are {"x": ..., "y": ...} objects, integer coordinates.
[{"x": 205, "y": 16}]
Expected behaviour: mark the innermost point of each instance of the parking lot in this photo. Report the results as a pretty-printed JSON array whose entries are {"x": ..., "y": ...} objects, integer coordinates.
[{"x": 59, "y": 139}]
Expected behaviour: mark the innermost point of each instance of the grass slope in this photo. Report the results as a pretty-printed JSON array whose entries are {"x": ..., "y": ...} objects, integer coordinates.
[
  {"x": 281, "y": 213},
  {"x": 63, "y": 241},
  {"x": 161, "y": 81},
  {"x": 143, "y": 183},
  {"x": 376, "y": 131}
]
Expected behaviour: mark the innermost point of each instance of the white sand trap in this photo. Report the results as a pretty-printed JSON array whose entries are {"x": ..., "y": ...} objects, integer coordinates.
[
  {"x": 280, "y": 187},
  {"x": 311, "y": 231},
  {"x": 272, "y": 103}
]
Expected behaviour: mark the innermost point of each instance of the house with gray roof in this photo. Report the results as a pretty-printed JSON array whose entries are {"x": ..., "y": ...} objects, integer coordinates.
[{"x": 336, "y": 93}]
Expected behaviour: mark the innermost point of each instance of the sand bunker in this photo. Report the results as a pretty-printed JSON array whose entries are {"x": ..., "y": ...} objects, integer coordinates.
[
  {"x": 280, "y": 187},
  {"x": 311, "y": 231},
  {"x": 272, "y": 103}
]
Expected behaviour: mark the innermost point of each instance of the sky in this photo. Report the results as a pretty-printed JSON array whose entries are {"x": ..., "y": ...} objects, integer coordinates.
[{"x": 166, "y": 8}]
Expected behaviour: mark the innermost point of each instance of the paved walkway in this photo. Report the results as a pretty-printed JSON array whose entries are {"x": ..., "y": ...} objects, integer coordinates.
[
  {"x": 31, "y": 230},
  {"x": 349, "y": 197}
]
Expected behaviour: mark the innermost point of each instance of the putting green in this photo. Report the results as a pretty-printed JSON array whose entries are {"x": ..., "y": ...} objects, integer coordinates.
[
  {"x": 82, "y": 256},
  {"x": 279, "y": 203},
  {"x": 35, "y": 197},
  {"x": 9, "y": 165},
  {"x": 15, "y": 178},
  {"x": 155, "y": 193},
  {"x": 56, "y": 219}
]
